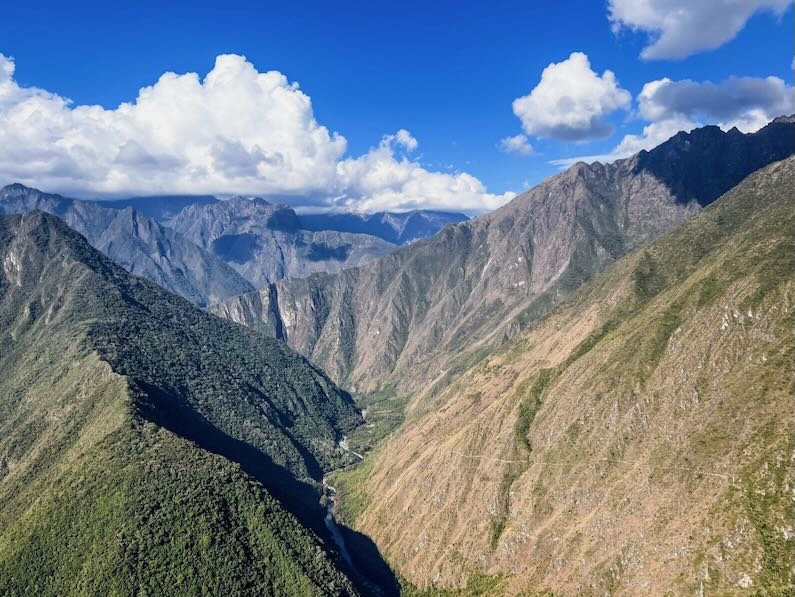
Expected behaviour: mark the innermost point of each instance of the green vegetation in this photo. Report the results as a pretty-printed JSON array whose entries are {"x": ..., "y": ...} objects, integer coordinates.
[
  {"x": 765, "y": 492},
  {"x": 647, "y": 278},
  {"x": 530, "y": 405},
  {"x": 352, "y": 497},
  {"x": 478, "y": 585},
  {"x": 529, "y": 392},
  {"x": 145, "y": 512},
  {"x": 144, "y": 444},
  {"x": 384, "y": 413},
  {"x": 670, "y": 320}
]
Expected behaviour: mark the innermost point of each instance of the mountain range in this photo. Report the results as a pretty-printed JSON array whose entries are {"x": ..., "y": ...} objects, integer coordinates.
[
  {"x": 638, "y": 439},
  {"x": 398, "y": 228},
  {"x": 586, "y": 391},
  {"x": 159, "y": 207},
  {"x": 422, "y": 314},
  {"x": 206, "y": 250},
  {"x": 138, "y": 243},
  {"x": 265, "y": 243}
]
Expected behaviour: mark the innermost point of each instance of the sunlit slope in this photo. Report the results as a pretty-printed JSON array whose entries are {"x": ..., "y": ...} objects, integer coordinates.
[
  {"x": 424, "y": 314},
  {"x": 637, "y": 440}
]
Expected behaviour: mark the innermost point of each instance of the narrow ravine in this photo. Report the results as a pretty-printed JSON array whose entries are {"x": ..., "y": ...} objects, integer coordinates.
[
  {"x": 338, "y": 533},
  {"x": 331, "y": 524}
]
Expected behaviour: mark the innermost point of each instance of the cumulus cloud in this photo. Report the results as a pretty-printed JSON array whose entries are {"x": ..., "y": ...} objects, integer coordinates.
[
  {"x": 382, "y": 179},
  {"x": 679, "y": 28},
  {"x": 571, "y": 101},
  {"x": 748, "y": 103},
  {"x": 517, "y": 145},
  {"x": 236, "y": 130}
]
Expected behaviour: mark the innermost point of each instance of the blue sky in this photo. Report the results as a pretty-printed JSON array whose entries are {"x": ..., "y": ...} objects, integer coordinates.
[{"x": 447, "y": 72}]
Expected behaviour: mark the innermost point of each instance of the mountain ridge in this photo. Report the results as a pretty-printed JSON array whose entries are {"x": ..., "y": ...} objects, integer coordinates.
[
  {"x": 138, "y": 243},
  {"x": 130, "y": 415},
  {"x": 400, "y": 228},
  {"x": 401, "y": 321},
  {"x": 264, "y": 242}
]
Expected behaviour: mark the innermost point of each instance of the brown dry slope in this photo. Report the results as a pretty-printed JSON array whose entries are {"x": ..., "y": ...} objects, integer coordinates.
[{"x": 638, "y": 440}]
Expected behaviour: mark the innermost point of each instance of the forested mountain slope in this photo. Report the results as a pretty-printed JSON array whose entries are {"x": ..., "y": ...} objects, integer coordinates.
[{"x": 143, "y": 442}]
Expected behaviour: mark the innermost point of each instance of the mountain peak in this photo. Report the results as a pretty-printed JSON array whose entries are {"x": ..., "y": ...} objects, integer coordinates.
[
  {"x": 17, "y": 188},
  {"x": 784, "y": 119},
  {"x": 248, "y": 200},
  {"x": 683, "y": 161}
]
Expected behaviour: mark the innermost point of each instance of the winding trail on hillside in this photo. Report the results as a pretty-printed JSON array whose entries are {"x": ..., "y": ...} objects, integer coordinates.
[{"x": 601, "y": 460}]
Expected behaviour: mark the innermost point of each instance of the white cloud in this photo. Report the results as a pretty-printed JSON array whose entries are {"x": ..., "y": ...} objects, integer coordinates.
[
  {"x": 679, "y": 28},
  {"x": 571, "y": 101},
  {"x": 517, "y": 145},
  {"x": 381, "y": 179},
  {"x": 236, "y": 130},
  {"x": 653, "y": 134},
  {"x": 748, "y": 103},
  {"x": 404, "y": 139}
]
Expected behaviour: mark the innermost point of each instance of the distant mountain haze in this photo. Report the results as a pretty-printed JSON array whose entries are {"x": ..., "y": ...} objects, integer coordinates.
[
  {"x": 394, "y": 227},
  {"x": 399, "y": 228},
  {"x": 138, "y": 243},
  {"x": 265, "y": 243},
  {"x": 161, "y": 208}
]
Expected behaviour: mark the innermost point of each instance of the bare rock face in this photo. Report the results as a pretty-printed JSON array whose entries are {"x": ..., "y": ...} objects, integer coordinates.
[
  {"x": 137, "y": 243},
  {"x": 264, "y": 242},
  {"x": 427, "y": 311}
]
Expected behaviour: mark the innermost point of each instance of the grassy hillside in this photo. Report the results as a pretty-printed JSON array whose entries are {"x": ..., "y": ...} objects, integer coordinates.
[
  {"x": 636, "y": 440},
  {"x": 142, "y": 441},
  {"x": 146, "y": 512}
]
